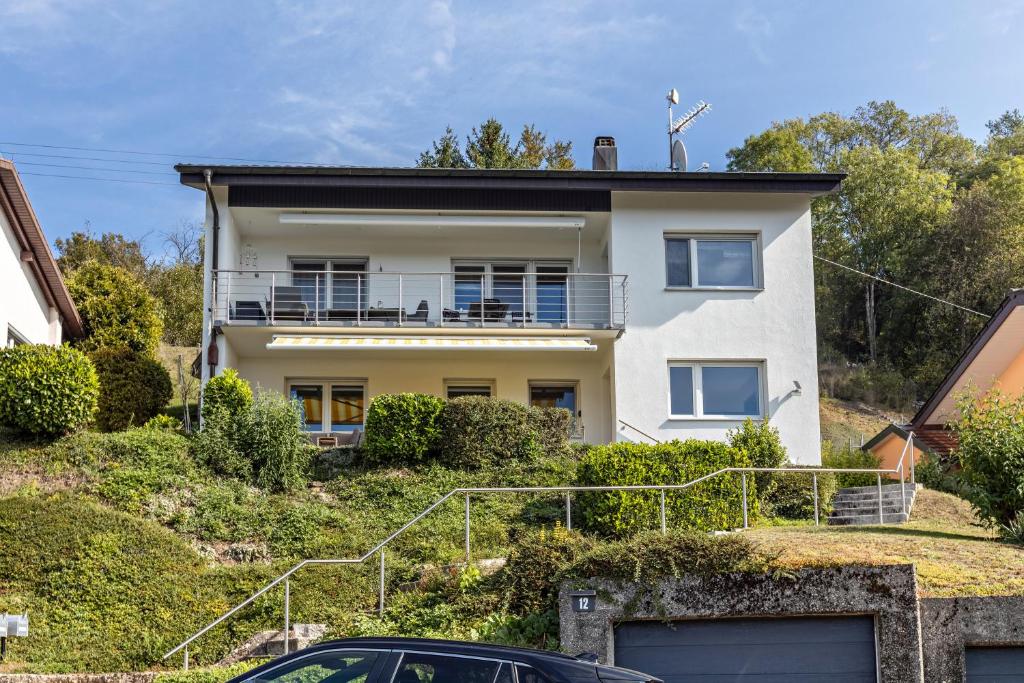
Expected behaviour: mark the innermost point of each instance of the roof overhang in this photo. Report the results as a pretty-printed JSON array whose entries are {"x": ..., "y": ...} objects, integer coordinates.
[
  {"x": 426, "y": 343},
  {"x": 476, "y": 189},
  {"x": 35, "y": 250}
]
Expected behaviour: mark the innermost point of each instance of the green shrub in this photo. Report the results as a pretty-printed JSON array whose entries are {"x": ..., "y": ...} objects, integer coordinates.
[
  {"x": 46, "y": 390},
  {"x": 710, "y": 505},
  {"x": 163, "y": 423},
  {"x": 990, "y": 450},
  {"x": 761, "y": 442},
  {"x": 792, "y": 496},
  {"x": 133, "y": 388},
  {"x": 209, "y": 674},
  {"x": 846, "y": 458},
  {"x": 214, "y": 447},
  {"x": 938, "y": 472},
  {"x": 478, "y": 431},
  {"x": 117, "y": 309},
  {"x": 227, "y": 391},
  {"x": 530, "y": 578},
  {"x": 401, "y": 429}
]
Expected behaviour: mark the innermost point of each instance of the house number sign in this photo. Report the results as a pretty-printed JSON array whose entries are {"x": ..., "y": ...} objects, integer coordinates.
[{"x": 583, "y": 601}]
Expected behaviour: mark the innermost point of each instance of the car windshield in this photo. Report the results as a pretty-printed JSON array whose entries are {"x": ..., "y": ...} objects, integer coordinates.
[{"x": 343, "y": 666}]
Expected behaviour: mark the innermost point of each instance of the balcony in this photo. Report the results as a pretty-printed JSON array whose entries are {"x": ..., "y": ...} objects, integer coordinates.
[{"x": 469, "y": 297}]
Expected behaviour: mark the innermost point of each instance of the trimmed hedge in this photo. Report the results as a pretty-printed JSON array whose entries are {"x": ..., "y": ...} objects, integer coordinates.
[
  {"x": 134, "y": 388},
  {"x": 402, "y": 428},
  {"x": 227, "y": 391},
  {"x": 711, "y": 505},
  {"x": 763, "y": 446},
  {"x": 477, "y": 431},
  {"x": 46, "y": 390}
]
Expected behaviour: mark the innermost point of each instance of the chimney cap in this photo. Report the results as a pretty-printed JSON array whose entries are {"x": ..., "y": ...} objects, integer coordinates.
[{"x": 604, "y": 141}]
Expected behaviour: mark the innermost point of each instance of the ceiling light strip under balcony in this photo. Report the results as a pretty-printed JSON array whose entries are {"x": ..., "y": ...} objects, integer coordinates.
[
  {"x": 285, "y": 342},
  {"x": 421, "y": 220}
]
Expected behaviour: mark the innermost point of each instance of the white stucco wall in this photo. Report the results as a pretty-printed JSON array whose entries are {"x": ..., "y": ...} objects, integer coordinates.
[
  {"x": 775, "y": 325},
  {"x": 23, "y": 305}
]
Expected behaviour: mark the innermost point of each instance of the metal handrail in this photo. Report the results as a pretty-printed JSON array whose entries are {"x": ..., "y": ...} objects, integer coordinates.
[
  {"x": 639, "y": 431},
  {"x": 379, "y": 548}
]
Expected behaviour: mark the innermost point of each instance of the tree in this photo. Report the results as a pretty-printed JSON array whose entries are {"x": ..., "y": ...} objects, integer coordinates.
[
  {"x": 177, "y": 283},
  {"x": 111, "y": 249},
  {"x": 117, "y": 310},
  {"x": 490, "y": 146}
]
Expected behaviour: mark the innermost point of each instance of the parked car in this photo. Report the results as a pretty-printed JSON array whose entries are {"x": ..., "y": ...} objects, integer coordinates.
[{"x": 417, "y": 660}]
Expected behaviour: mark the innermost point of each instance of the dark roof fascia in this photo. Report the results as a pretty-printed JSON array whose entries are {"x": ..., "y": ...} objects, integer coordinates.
[
  {"x": 1013, "y": 299},
  {"x": 16, "y": 205},
  {"x": 882, "y": 435},
  {"x": 508, "y": 179}
]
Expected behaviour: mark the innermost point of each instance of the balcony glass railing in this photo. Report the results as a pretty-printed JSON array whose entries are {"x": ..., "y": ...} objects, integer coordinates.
[{"x": 523, "y": 299}]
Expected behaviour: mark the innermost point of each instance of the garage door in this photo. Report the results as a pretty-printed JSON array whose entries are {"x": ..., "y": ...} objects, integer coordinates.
[
  {"x": 836, "y": 649},
  {"x": 995, "y": 664}
]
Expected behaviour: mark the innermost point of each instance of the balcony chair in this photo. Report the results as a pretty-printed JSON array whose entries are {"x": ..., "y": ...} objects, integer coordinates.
[
  {"x": 420, "y": 316},
  {"x": 288, "y": 304}
]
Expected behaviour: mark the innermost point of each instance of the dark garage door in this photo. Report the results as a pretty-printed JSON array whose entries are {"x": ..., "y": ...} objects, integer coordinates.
[
  {"x": 995, "y": 664},
  {"x": 836, "y": 649}
]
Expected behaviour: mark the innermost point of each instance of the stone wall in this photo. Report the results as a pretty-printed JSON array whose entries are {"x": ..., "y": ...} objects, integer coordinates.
[
  {"x": 135, "y": 677},
  {"x": 949, "y": 625}
]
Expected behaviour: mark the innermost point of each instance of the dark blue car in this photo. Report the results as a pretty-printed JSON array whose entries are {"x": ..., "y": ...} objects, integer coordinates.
[{"x": 418, "y": 660}]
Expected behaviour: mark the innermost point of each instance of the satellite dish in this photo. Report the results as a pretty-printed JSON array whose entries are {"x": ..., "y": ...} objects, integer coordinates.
[
  {"x": 673, "y": 96},
  {"x": 678, "y": 155}
]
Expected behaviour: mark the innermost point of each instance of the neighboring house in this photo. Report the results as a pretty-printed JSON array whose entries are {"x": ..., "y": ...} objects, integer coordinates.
[
  {"x": 653, "y": 305},
  {"x": 994, "y": 359},
  {"x": 35, "y": 307}
]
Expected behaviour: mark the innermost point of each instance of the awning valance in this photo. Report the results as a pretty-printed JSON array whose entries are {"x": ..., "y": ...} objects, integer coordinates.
[{"x": 439, "y": 343}]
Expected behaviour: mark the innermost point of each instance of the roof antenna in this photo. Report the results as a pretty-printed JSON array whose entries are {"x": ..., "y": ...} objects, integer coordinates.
[{"x": 676, "y": 148}]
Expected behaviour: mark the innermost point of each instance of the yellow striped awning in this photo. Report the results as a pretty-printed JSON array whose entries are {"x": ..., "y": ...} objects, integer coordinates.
[{"x": 439, "y": 343}]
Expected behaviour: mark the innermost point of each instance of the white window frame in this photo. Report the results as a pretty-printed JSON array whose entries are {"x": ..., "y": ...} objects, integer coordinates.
[
  {"x": 529, "y": 276},
  {"x": 753, "y": 238},
  {"x": 459, "y": 382},
  {"x": 577, "y": 417},
  {"x": 328, "y": 263},
  {"x": 325, "y": 398},
  {"x": 697, "y": 368}
]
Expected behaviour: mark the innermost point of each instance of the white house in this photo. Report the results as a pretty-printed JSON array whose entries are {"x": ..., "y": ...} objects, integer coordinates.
[
  {"x": 653, "y": 305},
  {"x": 35, "y": 307}
]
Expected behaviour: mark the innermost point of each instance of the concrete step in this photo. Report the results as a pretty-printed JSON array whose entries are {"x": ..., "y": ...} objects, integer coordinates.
[
  {"x": 867, "y": 508},
  {"x": 859, "y": 520},
  {"x": 874, "y": 488},
  {"x": 271, "y": 643}
]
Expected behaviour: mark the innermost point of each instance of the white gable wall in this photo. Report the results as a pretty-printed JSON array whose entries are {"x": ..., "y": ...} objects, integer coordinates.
[{"x": 23, "y": 305}]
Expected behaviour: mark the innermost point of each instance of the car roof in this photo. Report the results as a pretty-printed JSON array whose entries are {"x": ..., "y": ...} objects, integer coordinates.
[{"x": 453, "y": 646}]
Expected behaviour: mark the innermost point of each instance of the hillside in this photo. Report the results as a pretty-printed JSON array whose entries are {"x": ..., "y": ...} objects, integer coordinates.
[{"x": 852, "y": 423}]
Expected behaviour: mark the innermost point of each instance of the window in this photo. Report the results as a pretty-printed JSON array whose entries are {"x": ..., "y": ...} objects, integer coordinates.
[
  {"x": 331, "y": 283},
  {"x": 455, "y": 388},
  {"x": 417, "y": 667},
  {"x": 339, "y": 405},
  {"x": 342, "y": 666},
  {"x": 717, "y": 262},
  {"x": 722, "y": 390},
  {"x": 527, "y": 674},
  {"x": 543, "y": 297},
  {"x": 557, "y": 395}
]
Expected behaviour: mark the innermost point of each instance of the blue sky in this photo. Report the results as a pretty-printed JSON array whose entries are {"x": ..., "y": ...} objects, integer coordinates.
[{"x": 372, "y": 83}]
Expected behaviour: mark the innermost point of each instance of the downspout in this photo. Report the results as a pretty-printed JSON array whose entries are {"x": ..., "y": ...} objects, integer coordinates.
[{"x": 212, "y": 352}]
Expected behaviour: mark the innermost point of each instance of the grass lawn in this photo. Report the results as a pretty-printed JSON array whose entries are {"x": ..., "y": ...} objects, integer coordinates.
[
  {"x": 847, "y": 422},
  {"x": 954, "y": 555}
]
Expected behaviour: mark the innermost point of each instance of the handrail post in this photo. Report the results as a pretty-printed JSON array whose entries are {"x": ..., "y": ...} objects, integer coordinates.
[
  {"x": 316, "y": 314},
  {"x": 881, "y": 513},
  {"x": 664, "y": 521},
  {"x": 186, "y": 658},
  {"x": 273, "y": 295},
  {"x": 401, "y": 308},
  {"x": 815, "y": 478},
  {"x": 745, "y": 522},
  {"x": 380, "y": 602},
  {"x": 287, "y": 614},
  {"x": 568, "y": 512},
  {"x": 359, "y": 295},
  {"x": 468, "y": 556},
  {"x": 913, "y": 480},
  {"x": 441, "y": 301},
  {"x": 903, "y": 488},
  {"x": 523, "y": 311}
]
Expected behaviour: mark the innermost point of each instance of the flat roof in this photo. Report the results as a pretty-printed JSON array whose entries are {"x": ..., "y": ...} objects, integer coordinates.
[{"x": 360, "y": 176}]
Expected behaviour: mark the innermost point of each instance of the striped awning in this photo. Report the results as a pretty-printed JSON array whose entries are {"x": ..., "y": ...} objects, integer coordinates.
[{"x": 439, "y": 343}]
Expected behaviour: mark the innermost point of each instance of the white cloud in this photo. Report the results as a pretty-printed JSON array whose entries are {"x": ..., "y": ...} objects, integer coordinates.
[{"x": 757, "y": 29}]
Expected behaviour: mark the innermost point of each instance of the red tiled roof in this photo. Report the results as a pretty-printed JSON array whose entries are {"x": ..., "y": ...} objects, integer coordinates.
[{"x": 936, "y": 437}]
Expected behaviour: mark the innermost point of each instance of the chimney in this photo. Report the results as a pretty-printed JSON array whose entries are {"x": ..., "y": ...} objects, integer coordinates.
[{"x": 606, "y": 156}]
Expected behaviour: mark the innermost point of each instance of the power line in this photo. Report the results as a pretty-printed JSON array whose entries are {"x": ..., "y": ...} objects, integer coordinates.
[
  {"x": 109, "y": 180},
  {"x": 95, "y": 168},
  {"x": 157, "y": 154},
  {"x": 899, "y": 286},
  {"x": 162, "y": 164}
]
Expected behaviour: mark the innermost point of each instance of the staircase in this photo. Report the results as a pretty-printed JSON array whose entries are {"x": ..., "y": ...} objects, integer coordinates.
[
  {"x": 859, "y": 505},
  {"x": 271, "y": 643}
]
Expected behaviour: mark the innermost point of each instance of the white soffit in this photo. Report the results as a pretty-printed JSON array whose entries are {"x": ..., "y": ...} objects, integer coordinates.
[
  {"x": 285, "y": 342},
  {"x": 401, "y": 220}
]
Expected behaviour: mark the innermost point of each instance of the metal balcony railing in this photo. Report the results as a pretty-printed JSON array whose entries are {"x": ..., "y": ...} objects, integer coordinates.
[{"x": 455, "y": 299}]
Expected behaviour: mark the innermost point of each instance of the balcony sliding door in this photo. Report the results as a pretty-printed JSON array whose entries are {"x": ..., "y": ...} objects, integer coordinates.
[
  {"x": 509, "y": 291},
  {"x": 330, "y": 288},
  {"x": 552, "y": 294}
]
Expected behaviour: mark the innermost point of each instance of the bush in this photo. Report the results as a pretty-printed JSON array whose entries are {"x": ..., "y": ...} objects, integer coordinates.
[
  {"x": 531, "y": 575},
  {"x": 846, "y": 458},
  {"x": 227, "y": 391},
  {"x": 117, "y": 309},
  {"x": 402, "y": 429},
  {"x": 264, "y": 443},
  {"x": 134, "y": 388},
  {"x": 792, "y": 496},
  {"x": 990, "y": 435},
  {"x": 46, "y": 390},
  {"x": 761, "y": 442},
  {"x": 478, "y": 431},
  {"x": 711, "y": 505},
  {"x": 163, "y": 423}
]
